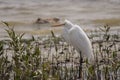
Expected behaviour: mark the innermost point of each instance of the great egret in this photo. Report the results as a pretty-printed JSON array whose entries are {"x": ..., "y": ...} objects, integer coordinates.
[{"x": 74, "y": 35}]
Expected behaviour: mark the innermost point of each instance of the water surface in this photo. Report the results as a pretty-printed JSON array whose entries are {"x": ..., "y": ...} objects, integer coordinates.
[{"x": 88, "y": 13}]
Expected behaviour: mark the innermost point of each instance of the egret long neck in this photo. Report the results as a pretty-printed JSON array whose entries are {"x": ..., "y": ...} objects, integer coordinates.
[{"x": 68, "y": 24}]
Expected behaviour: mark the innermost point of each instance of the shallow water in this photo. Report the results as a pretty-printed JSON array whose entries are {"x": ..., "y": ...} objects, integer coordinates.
[{"x": 88, "y": 13}]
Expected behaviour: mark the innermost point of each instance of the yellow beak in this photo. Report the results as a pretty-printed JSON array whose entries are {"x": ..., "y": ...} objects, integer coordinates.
[{"x": 58, "y": 25}]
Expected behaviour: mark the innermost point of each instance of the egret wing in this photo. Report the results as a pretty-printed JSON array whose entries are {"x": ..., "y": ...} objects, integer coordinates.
[{"x": 80, "y": 41}]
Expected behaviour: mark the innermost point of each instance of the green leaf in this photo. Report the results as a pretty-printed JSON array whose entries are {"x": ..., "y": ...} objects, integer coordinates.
[{"x": 6, "y": 23}]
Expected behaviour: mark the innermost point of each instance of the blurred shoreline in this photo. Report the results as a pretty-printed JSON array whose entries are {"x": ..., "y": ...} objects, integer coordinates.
[{"x": 89, "y": 14}]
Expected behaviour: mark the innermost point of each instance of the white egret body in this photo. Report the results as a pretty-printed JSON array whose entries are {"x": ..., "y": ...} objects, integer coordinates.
[{"x": 74, "y": 35}]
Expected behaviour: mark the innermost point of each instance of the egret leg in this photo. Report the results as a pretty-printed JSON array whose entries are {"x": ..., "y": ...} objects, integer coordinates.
[{"x": 80, "y": 66}]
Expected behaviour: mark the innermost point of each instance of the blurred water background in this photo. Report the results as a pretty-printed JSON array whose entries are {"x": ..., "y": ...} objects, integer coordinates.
[{"x": 88, "y": 13}]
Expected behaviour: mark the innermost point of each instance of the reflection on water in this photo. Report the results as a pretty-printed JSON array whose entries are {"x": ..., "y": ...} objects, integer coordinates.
[{"x": 87, "y": 13}]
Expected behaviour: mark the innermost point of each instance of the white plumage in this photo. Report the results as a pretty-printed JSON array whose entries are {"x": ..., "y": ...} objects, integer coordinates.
[{"x": 74, "y": 35}]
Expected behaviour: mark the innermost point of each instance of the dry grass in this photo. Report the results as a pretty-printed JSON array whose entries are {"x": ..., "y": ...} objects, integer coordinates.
[{"x": 111, "y": 22}]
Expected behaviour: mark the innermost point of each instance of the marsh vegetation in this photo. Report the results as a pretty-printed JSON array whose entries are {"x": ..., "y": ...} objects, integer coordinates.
[{"x": 51, "y": 58}]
